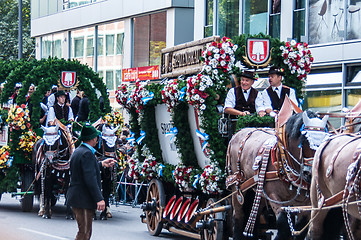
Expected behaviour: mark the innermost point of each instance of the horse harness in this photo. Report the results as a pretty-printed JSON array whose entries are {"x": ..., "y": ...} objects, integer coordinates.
[
  {"x": 353, "y": 180},
  {"x": 59, "y": 165},
  {"x": 276, "y": 147},
  {"x": 351, "y": 173},
  {"x": 281, "y": 159}
]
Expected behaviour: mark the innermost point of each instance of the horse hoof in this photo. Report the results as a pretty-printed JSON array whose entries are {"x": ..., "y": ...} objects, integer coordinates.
[
  {"x": 103, "y": 218},
  {"x": 45, "y": 216},
  {"x": 109, "y": 215},
  {"x": 69, "y": 217}
]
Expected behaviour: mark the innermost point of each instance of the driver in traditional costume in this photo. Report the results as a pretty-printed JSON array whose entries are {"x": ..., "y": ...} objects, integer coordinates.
[
  {"x": 271, "y": 99},
  {"x": 241, "y": 100},
  {"x": 60, "y": 110}
]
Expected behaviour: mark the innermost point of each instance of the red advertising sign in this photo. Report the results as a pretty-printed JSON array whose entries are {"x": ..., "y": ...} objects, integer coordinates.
[
  {"x": 68, "y": 79},
  {"x": 141, "y": 73}
]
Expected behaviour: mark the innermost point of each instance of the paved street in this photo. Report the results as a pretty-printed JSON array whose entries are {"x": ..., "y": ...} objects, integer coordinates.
[{"x": 18, "y": 225}]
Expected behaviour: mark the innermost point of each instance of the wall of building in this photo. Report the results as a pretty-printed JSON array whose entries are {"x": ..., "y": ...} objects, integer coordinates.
[{"x": 45, "y": 20}]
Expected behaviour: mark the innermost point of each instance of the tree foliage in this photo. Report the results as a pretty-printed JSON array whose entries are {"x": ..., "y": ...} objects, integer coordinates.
[{"x": 9, "y": 20}]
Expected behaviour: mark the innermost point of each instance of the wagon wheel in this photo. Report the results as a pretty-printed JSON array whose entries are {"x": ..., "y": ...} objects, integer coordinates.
[
  {"x": 216, "y": 230},
  {"x": 27, "y": 200},
  {"x": 156, "y": 199}
]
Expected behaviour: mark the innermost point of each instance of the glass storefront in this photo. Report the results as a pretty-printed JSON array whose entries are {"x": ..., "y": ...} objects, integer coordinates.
[
  {"x": 353, "y": 86},
  {"x": 324, "y": 93},
  {"x": 275, "y": 19}
]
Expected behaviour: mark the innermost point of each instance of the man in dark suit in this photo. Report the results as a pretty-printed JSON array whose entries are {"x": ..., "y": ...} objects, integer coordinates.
[
  {"x": 84, "y": 194},
  {"x": 75, "y": 103},
  {"x": 84, "y": 110}
]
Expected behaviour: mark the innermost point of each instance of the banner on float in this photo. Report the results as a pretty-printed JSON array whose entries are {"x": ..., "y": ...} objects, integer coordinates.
[{"x": 141, "y": 73}]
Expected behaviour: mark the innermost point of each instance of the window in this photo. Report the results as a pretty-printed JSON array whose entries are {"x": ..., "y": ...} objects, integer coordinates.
[
  {"x": 109, "y": 78},
  {"x": 228, "y": 17},
  {"x": 75, "y": 3},
  {"x": 46, "y": 48},
  {"x": 149, "y": 39},
  {"x": 101, "y": 74},
  {"x": 100, "y": 45},
  {"x": 299, "y": 20},
  {"x": 324, "y": 101},
  {"x": 353, "y": 85},
  {"x": 79, "y": 47},
  {"x": 275, "y": 19},
  {"x": 90, "y": 46},
  {"x": 109, "y": 49},
  {"x": 329, "y": 97},
  {"x": 120, "y": 41},
  {"x": 326, "y": 22},
  {"x": 208, "y": 28},
  {"x": 255, "y": 16},
  {"x": 118, "y": 78},
  {"x": 56, "y": 51}
]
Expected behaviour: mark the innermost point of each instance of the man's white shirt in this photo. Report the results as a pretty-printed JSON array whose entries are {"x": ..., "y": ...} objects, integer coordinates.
[
  {"x": 263, "y": 101},
  {"x": 51, "y": 114},
  {"x": 231, "y": 97}
]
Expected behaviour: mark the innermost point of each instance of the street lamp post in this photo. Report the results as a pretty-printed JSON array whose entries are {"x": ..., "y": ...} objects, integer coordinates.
[{"x": 20, "y": 31}]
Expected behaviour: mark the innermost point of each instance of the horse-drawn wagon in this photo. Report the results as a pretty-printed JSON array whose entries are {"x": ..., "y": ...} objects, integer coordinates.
[
  {"x": 35, "y": 156},
  {"x": 183, "y": 157}
]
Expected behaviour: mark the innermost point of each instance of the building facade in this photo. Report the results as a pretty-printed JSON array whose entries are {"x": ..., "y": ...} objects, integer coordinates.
[{"x": 110, "y": 35}]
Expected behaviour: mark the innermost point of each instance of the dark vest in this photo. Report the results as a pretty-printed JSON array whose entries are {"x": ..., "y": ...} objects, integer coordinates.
[
  {"x": 276, "y": 101},
  {"x": 242, "y": 104},
  {"x": 61, "y": 112}
]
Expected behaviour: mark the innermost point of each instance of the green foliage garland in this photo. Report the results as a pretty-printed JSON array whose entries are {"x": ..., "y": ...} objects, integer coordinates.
[
  {"x": 290, "y": 79},
  {"x": 183, "y": 140},
  {"x": 255, "y": 121},
  {"x": 17, "y": 75},
  {"x": 148, "y": 125},
  {"x": 8, "y": 179},
  {"x": 45, "y": 73},
  {"x": 135, "y": 127}
]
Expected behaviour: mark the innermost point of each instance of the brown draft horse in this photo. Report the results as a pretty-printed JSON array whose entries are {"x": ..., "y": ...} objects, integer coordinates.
[
  {"x": 289, "y": 178},
  {"x": 336, "y": 172},
  {"x": 51, "y": 156}
]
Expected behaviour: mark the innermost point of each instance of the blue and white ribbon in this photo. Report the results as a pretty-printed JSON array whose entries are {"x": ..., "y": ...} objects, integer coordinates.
[
  {"x": 9, "y": 163},
  {"x": 146, "y": 99},
  {"x": 128, "y": 100},
  {"x": 196, "y": 180},
  {"x": 204, "y": 137},
  {"x": 183, "y": 93},
  {"x": 160, "y": 171},
  {"x": 172, "y": 132},
  {"x": 141, "y": 138},
  {"x": 100, "y": 139},
  {"x": 59, "y": 132},
  {"x": 131, "y": 133}
]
